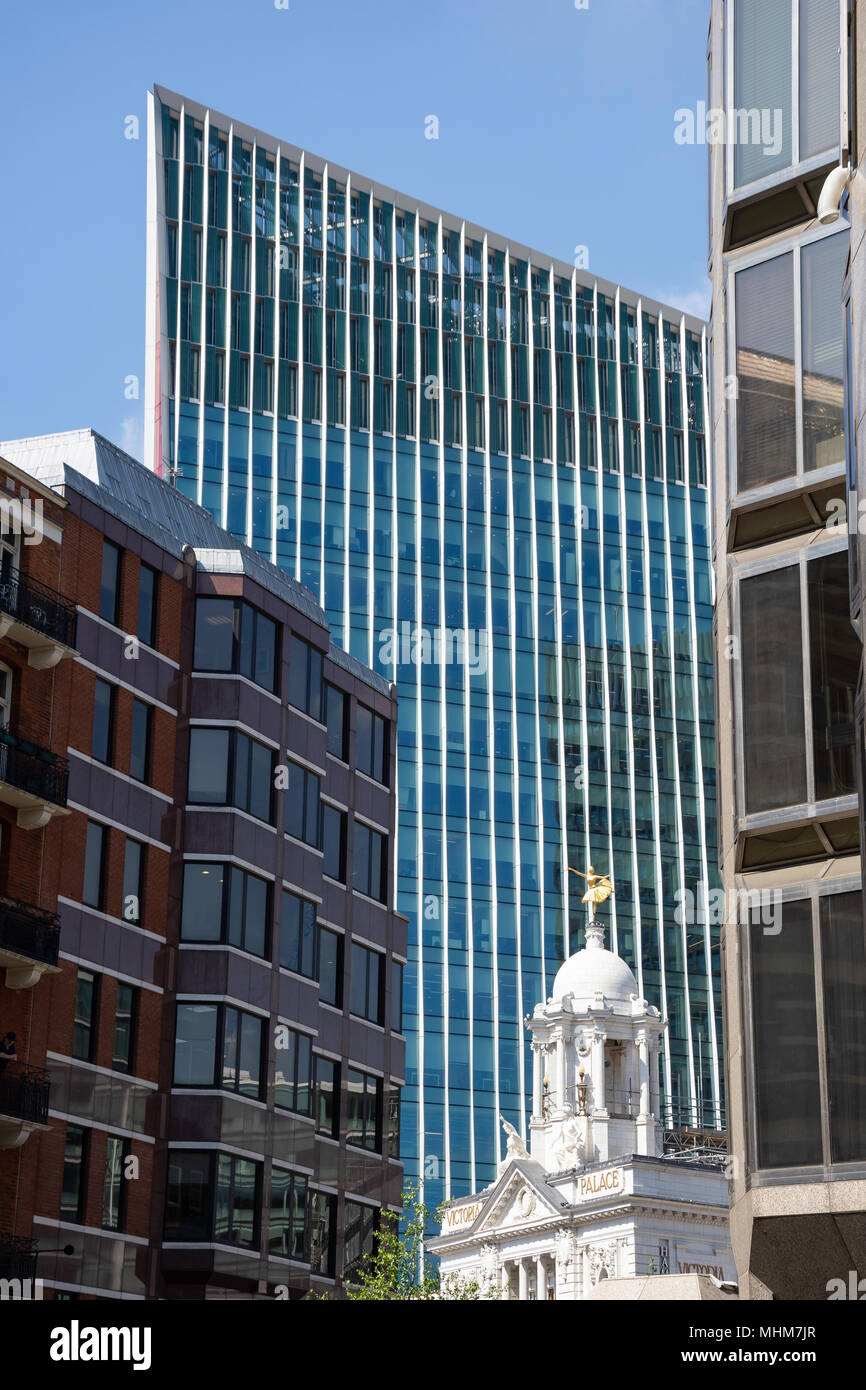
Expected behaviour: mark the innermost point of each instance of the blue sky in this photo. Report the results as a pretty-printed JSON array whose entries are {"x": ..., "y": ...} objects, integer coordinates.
[{"x": 555, "y": 129}]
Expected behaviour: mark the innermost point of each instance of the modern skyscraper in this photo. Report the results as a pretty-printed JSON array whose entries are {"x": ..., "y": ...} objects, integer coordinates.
[
  {"x": 788, "y": 658},
  {"x": 490, "y": 467}
]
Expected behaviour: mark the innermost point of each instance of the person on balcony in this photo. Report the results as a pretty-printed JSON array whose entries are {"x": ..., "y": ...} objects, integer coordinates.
[{"x": 7, "y": 1051}]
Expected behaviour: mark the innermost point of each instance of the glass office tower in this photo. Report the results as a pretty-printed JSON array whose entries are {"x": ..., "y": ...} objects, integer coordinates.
[{"x": 490, "y": 467}]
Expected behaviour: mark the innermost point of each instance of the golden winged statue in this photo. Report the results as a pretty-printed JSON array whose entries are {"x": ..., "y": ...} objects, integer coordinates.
[{"x": 598, "y": 888}]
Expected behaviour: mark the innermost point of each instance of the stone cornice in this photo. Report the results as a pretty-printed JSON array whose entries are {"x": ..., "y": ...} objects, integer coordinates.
[{"x": 578, "y": 1218}]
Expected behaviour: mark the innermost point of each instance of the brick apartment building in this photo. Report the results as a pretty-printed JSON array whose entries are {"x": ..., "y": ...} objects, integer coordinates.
[
  {"x": 38, "y": 626},
  {"x": 203, "y": 972}
]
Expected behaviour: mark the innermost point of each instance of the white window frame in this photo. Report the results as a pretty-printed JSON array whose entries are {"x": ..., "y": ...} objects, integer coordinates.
[
  {"x": 814, "y": 477},
  {"x": 796, "y": 168}
]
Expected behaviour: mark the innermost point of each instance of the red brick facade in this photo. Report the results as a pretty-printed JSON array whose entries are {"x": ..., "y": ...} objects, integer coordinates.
[
  {"x": 43, "y": 867},
  {"x": 30, "y": 860},
  {"x": 118, "y": 1158}
]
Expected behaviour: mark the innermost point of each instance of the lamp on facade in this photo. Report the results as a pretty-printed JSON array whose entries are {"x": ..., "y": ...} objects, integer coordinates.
[
  {"x": 831, "y": 194},
  {"x": 581, "y": 1088}
]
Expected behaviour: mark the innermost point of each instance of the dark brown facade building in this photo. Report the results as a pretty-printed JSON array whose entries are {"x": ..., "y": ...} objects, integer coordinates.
[{"x": 203, "y": 972}]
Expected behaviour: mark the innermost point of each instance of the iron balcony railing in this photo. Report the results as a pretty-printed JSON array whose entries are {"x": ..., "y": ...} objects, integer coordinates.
[
  {"x": 620, "y": 1104},
  {"x": 18, "y": 1256},
  {"x": 33, "y": 769},
  {"x": 701, "y": 1115},
  {"x": 28, "y": 931},
  {"x": 31, "y": 602},
  {"x": 24, "y": 1092}
]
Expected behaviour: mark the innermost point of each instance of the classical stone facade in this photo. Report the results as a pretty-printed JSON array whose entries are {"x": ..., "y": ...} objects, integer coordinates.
[{"x": 593, "y": 1198}]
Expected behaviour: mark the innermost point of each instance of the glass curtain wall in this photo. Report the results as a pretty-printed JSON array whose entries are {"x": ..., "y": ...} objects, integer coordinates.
[{"x": 492, "y": 474}]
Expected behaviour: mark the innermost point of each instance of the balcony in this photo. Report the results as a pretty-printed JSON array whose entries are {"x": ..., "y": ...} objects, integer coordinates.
[
  {"x": 622, "y": 1105},
  {"x": 18, "y": 1255},
  {"x": 23, "y": 1103},
  {"x": 36, "y": 616},
  {"x": 694, "y": 1131},
  {"x": 29, "y": 943},
  {"x": 33, "y": 779}
]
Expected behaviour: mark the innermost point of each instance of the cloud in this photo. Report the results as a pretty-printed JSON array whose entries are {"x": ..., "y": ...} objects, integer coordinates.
[
  {"x": 132, "y": 436},
  {"x": 696, "y": 301}
]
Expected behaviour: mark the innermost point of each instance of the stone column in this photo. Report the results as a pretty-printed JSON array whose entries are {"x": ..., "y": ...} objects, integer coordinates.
[
  {"x": 598, "y": 1071},
  {"x": 537, "y": 1080},
  {"x": 505, "y": 1280},
  {"x": 598, "y": 1124},
  {"x": 655, "y": 1100},
  {"x": 540, "y": 1279},
  {"x": 643, "y": 1074},
  {"x": 567, "y": 1068},
  {"x": 645, "y": 1130},
  {"x": 567, "y": 1280},
  {"x": 560, "y": 1073},
  {"x": 522, "y": 1281}
]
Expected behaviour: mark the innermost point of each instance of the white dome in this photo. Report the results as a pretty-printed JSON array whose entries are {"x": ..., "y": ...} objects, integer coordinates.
[{"x": 593, "y": 969}]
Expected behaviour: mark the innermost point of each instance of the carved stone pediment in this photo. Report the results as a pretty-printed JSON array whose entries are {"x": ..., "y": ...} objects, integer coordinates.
[
  {"x": 518, "y": 1202},
  {"x": 523, "y": 1207},
  {"x": 518, "y": 1206}
]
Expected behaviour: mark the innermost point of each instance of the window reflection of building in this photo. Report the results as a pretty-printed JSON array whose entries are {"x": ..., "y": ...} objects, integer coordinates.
[{"x": 768, "y": 323}]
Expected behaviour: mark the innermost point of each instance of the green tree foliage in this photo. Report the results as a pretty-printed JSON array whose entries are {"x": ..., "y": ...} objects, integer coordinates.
[{"x": 393, "y": 1269}]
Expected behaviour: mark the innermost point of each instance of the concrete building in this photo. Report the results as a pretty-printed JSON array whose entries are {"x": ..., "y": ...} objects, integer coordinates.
[
  {"x": 490, "y": 467},
  {"x": 599, "y": 1195},
  {"x": 854, "y": 202},
  {"x": 220, "y": 1027},
  {"x": 788, "y": 660}
]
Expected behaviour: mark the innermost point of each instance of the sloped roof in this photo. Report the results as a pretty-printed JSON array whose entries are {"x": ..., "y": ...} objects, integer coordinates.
[{"x": 95, "y": 468}]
